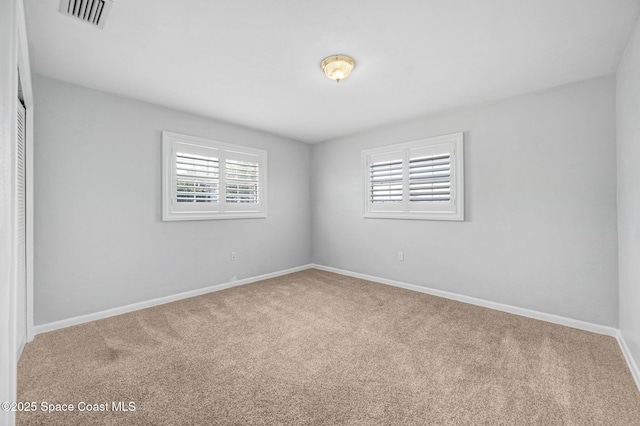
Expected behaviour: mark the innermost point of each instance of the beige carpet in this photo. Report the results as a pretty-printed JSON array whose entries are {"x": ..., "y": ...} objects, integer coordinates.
[{"x": 319, "y": 348}]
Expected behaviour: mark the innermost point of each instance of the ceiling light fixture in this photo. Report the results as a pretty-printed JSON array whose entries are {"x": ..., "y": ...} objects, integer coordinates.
[{"x": 338, "y": 67}]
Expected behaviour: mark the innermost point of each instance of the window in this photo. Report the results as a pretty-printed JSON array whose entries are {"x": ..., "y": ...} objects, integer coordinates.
[
  {"x": 205, "y": 179},
  {"x": 422, "y": 179}
]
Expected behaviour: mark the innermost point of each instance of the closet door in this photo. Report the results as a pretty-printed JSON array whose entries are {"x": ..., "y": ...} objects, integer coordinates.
[{"x": 21, "y": 228}]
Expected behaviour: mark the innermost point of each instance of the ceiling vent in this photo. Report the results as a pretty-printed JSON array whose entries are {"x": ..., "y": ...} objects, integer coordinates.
[{"x": 92, "y": 12}]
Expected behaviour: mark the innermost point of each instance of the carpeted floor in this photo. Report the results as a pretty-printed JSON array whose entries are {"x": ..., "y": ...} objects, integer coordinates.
[{"x": 324, "y": 349}]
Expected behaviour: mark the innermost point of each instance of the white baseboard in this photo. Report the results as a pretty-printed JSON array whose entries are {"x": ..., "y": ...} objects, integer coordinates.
[
  {"x": 635, "y": 371},
  {"x": 556, "y": 319},
  {"x": 20, "y": 348},
  {"x": 43, "y": 328}
]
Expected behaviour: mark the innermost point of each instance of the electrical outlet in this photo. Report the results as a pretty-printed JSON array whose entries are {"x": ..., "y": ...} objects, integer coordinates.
[
  {"x": 400, "y": 255},
  {"x": 233, "y": 255}
]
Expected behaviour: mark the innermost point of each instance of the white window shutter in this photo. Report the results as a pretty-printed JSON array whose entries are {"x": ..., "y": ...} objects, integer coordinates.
[
  {"x": 430, "y": 178},
  {"x": 205, "y": 179},
  {"x": 421, "y": 179},
  {"x": 385, "y": 181},
  {"x": 197, "y": 178},
  {"x": 242, "y": 179}
]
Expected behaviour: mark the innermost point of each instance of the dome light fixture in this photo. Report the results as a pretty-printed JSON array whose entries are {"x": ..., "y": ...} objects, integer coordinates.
[{"x": 338, "y": 67}]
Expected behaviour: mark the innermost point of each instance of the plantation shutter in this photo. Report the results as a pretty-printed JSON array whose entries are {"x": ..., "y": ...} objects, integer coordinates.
[
  {"x": 385, "y": 173},
  {"x": 206, "y": 179},
  {"x": 241, "y": 181},
  {"x": 243, "y": 173},
  {"x": 430, "y": 178},
  {"x": 385, "y": 181},
  {"x": 421, "y": 179},
  {"x": 197, "y": 178}
]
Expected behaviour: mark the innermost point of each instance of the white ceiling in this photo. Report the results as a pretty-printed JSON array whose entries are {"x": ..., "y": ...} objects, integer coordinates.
[{"x": 257, "y": 62}]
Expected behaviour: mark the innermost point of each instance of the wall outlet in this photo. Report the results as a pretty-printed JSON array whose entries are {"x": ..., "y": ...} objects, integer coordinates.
[
  {"x": 233, "y": 255},
  {"x": 400, "y": 255}
]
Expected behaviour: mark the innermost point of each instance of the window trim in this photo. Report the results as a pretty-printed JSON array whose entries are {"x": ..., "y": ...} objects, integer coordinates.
[
  {"x": 452, "y": 143},
  {"x": 220, "y": 210}
]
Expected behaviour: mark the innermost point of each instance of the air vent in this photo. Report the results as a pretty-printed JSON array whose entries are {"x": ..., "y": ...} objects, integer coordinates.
[{"x": 92, "y": 12}]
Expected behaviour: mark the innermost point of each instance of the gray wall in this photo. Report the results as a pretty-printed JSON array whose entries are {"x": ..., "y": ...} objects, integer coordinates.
[
  {"x": 99, "y": 239},
  {"x": 628, "y": 145},
  {"x": 540, "y": 229}
]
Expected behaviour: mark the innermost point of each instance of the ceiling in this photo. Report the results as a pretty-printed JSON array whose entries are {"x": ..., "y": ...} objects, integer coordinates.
[{"x": 256, "y": 63}]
